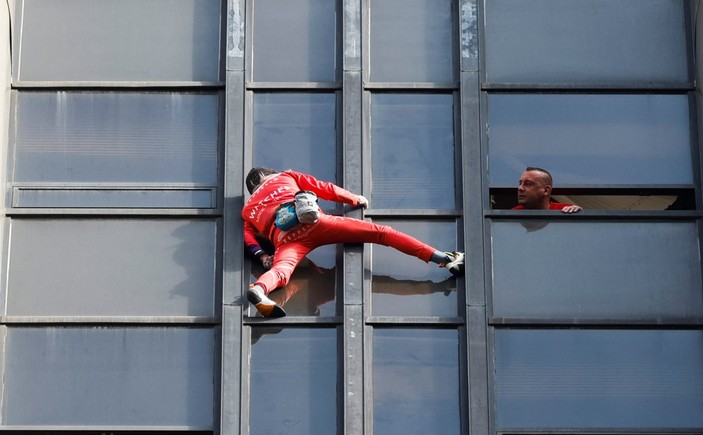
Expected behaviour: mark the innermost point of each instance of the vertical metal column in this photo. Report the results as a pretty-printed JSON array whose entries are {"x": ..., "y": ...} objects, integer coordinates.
[
  {"x": 352, "y": 287},
  {"x": 232, "y": 305},
  {"x": 473, "y": 204}
]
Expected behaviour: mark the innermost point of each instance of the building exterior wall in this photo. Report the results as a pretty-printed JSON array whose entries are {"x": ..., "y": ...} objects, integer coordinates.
[{"x": 128, "y": 129}]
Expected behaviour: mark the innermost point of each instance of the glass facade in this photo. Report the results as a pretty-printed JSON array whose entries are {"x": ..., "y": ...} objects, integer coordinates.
[{"x": 131, "y": 126}]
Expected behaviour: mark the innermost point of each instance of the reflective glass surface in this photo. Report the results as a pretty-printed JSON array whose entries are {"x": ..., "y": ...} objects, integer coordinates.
[
  {"x": 311, "y": 289},
  {"x": 412, "y": 41},
  {"x": 599, "y": 379},
  {"x": 586, "y": 270},
  {"x": 590, "y": 139},
  {"x": 293, "y": 381},
  {"x": 416, "y": 388},
  {"x": 296, "y": 131},
  {"x": 585, "y": 41},
  {"x": 412, "y": 151},
  {"x": 403, "y": 285},
  {"x": 101, "y": 137},
  {"x": 108, "y": 267},
  {"x": 114, "y": 376},
  {"x": 126, "y": 40},
  {"x": 295, "y": 40}
]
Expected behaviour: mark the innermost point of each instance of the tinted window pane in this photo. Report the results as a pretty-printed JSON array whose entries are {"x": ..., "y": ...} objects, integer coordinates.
[
  {"x": 416, "y": 381},
  {"x": 113, "y": 197},
  {"x": 599, "y": 378},
  {"x": 591, "y": 139},
  {"x": 586, "y": 41},
  {"x": 96, "y": 267},
  {"x": 126, "y": 40},
  {"x": 402, "y": 285},
  {"x": 293, "y": 381},
  {"x": 97, "y": 137},
  {"x": 311, "y": 289},
  {"x": 295, "y": 40},
  {"x": 596, "y": 269},
  {"x": 412, "y": 147},
  {"x": 296, "y": 131},
  {"x": 412, "y": 41},
  {"x": 108, "y": 376}
]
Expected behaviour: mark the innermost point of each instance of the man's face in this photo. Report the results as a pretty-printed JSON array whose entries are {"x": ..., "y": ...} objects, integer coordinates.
[{"x": 532, "y": 190}]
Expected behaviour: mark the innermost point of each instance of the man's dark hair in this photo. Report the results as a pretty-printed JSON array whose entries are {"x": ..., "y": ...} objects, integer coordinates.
[
  {"x": 256, "y": 175},
  {"x": 550, "y": 181}
]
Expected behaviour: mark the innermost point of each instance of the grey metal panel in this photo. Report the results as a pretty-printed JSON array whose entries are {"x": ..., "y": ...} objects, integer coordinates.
[
  {"x": 233, "y": 256},
  {"x": 112, "y": 267},
  {"x": 473, "y": 182},
  {"x": 231, "y": 369},
  {"x": 116, "y": 197},
  {"x": 235, "y": 34},
  {"x": 161, "y": 40},
  {"x": 351, "y": 43},
  {"x": 596, "y": 270},
  {"x": 353, "y": 355},
  {"x": 547, "y": 41},
  {"x": 468, "y": 25},
  {"x": 155, "y": 376},
  {"x": 477, "y": 370}
]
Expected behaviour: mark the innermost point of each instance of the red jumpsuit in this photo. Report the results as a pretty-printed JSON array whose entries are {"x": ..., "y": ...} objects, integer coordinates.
[{"x": 259, "y": 214}]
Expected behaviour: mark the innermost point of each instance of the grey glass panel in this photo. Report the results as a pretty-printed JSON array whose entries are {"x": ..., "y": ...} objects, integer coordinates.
[
  {"x": 108, "y": 376},
  {"x": 102, "y": 267},
  {"x": 590, "y": 139},
  {"x": 412, "y": 147},
  {"x": 403, "y": 285},
  {"x": 127, "y": 40},
  {"x": 293, "y": 381},
  {"x": 585, "y": 41},
  {"x": 99, "y": 137},
  {"x": 416, "y": 386},
  {"x": 311, "y": 289},
  {"x": 296, "y": 131},
  {"x": 599, "y": 379},
  {"x": 412, "y": 41},
  {"x": 615, "y": 270},
  {"x": 295, "y": 40},
  {"x": 128, "y": 198}
]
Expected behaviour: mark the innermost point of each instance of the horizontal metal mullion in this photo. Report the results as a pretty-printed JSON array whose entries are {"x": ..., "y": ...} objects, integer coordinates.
[
  {"x": 294, "y": 320},
  {"x": 595, "y": 215},
  {"x": 598, "y": 431},
  {"x": 88, "y": 212},
  {"x": 107, "y": 320},
  {"x": 614, "y": 323},
  {"x": 195, "y": 85},
  {"x": 629, "y": 87},
  {"x": 103, "y": 429},
  {"x": 293, "y": 85},
  {"x": 379, "y": 212},
  {"x": 450, "y": 86},
  {"x": 414, "y": 321}
]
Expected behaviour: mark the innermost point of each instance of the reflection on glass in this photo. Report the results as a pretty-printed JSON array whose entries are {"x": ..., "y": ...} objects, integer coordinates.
[
  {"x": 293, "y": 381},
  {"x": 129, "y": 40},
  {"x": 311, "y": 289},
  {"x": 295, "y": 40},
  {"x": 412, "y": 146},
  {"x": 599, "y": 378},
  {"x": 416, "y": 386},
  {"x": 402, "y": 285},
  {"x": 108, "y": 267},
  {"x": 82, "y": 376},
  {"x": 591, "y": 139},
  {"x": 100, "y": 137},
  {"x": 296, "y": 131},
  {"x": 601, "y": 270},
  {"x": 586, "y": 41},
  {"x": 412, "y": 41}
]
